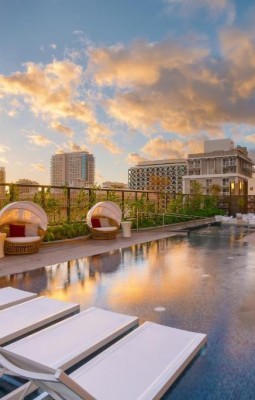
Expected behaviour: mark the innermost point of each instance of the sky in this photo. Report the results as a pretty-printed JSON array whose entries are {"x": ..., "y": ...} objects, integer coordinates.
[{"x": 126, "y": 80}]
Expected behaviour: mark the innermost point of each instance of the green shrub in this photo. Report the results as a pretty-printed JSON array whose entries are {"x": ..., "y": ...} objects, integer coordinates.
[{"x": 66, "y": 231}]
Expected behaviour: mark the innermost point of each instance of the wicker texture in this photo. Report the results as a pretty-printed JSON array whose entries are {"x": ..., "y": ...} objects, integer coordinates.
[
  {"x": 21, "y": 247},
  {"x": 105, "y": 209},
  {"x": 100, "y": 234},
  {"x": 17, "y": 213}
]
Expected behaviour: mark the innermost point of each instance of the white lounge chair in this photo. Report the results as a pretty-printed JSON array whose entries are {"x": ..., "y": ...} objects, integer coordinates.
[
  {"x": 26, "y": 317},
  {"x": 81, "y": 335},
  {"x": 10, "y": 296},
  {"x": 142, "y": 365}
]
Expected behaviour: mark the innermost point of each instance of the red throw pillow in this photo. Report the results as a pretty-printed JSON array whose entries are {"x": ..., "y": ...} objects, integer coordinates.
[
  {"x": 95, "y": 223},
  {"x": 17, "y": 230}
]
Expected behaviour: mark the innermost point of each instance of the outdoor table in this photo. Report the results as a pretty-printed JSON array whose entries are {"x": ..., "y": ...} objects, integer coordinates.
[
  {"x": 126, "y": 228},
  {"x": 2, "y": 239}
]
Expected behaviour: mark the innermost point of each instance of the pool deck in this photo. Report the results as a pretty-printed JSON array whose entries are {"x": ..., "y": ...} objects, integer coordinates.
[
  {"x": 50, "y": 254},
  {"x": 69, "y": 250}
]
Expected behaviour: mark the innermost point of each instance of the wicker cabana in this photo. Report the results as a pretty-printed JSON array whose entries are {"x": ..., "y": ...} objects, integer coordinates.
[
  {"x": 109, "y": 216},
  {"x": 32, "y": 217}
]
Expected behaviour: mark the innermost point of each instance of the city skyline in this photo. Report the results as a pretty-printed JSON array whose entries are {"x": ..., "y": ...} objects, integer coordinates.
[{"x": 124, "y": 80}]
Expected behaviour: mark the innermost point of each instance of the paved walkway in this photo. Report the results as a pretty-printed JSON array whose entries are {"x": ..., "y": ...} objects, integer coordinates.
[{"x": 53, "y": 253}]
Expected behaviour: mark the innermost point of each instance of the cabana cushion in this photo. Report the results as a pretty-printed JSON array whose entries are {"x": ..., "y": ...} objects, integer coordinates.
[
  {"x": 104, "y": 222},
  {"x": 31, "y": 229},
  {"x": 107, "y": 229},
  {"x": 24, "y": 239},
  {"x": 16, "y": 230},
  {"x": 95, "y": 223}
]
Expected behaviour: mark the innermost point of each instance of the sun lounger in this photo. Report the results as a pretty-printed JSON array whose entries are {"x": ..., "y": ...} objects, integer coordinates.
[
  {"x": 10, "y": 297},
  {"x": 81, "y": 335},
  {"x": 142, "y": 365},
  {"x": 26, "y": 317}
]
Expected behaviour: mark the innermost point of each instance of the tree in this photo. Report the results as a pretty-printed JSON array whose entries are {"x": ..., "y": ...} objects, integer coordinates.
[
  {"x": 158, "y": 183},
  {"x": 215, "y": 189}
]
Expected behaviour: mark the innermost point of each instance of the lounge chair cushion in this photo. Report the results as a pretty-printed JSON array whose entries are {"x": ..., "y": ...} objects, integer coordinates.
[
  {"x": 104, "y": 222},
  {"x": 107, "y": 229},
  {"x": 17, "y": 230},
  {"x": 31, "y": 229},
  {"x": 23, "y": 239},
  {"x": 95, "y": 222}
]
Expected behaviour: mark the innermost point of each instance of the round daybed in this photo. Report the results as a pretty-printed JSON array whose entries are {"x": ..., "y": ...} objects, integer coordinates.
[
  {"x": 25, "y": 224},
  {"x": 103, "y": 220}
]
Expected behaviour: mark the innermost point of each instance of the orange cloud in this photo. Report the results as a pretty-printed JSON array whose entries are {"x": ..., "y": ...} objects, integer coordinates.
[
  {"x": 160, "y": 148},
  {"x": 140, "y": 64},
  {"x": 38, "y": 140},
  {"x": 52, "y": 91},
  {"x": 49, "y": 90},
  {"x": 61, "y": 128},
  {"x": 38, "y": 167},
  {"x": 179, "y": 89},
  {"x": 134, "y": 158},
  {"x": 71, "y": 147},
  {"x": 100, "y": 134}
]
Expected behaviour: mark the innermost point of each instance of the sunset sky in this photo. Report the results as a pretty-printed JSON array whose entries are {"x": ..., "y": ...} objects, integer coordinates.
[{"x": 126, "y": 80}]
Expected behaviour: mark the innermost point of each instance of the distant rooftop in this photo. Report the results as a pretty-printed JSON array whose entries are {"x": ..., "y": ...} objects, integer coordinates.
[{"x": 162, "y": 162}]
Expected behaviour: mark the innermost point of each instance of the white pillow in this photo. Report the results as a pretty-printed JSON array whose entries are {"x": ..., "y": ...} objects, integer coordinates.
[
  {"x": 104, "y": 222},
  {"x": 31, "y": 229}
]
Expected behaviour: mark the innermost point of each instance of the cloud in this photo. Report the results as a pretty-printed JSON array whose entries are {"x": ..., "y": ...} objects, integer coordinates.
[
  {"x": 4, "y": 160},
  {"x": 49, "y": 90},
  {"x": 38, "y": 167},
  {"x": 140, "y": 64},
  {"x": 134, "y": 158},
  {"x": 178, "y": 88},
  {"x": 65, "y": 130},
  {"x": 53, "y": 46},
  {"x": 71, "y": 146},
  {"x": 3, "y": 148},
  {"x": 38, "y": 140},
  {"x": 160, "y": 148},
  {"x": 52, "y": 92},
  {"x": 250, "y": 138},
  {"x": 77, "y": 32},
  {"x": 99, "y": 134},
  {"x": 215, "y": 8}
]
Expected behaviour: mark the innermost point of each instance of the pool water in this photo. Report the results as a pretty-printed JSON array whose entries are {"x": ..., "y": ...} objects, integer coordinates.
[{"x": 204, "y": 282}]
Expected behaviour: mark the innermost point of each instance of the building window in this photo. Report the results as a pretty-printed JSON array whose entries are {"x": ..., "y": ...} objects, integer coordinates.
[{"x": 208, "y": 182}]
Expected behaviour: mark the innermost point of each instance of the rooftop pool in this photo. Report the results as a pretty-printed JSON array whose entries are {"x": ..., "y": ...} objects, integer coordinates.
[{"x": 204, "y": 282}]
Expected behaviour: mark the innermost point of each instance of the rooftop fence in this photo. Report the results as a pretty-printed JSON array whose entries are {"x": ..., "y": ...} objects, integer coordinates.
[{"x": 71, "y": 204}]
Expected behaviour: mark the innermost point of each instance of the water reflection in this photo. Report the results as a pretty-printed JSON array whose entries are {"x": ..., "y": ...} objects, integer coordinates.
[{"x": 202, "y": 283}]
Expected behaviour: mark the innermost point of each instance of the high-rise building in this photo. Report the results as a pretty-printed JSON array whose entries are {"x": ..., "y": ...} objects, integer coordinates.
[
  {"x": 2, "y": 180},
  {"x": 75, "y": 169},
  {"x": 221, "y": 164},
  {"x": 158, "y": 175}
]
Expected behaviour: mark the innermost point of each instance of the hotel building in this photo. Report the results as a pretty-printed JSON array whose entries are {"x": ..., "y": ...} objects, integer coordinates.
[
  {"x": 158, "y": 175},
  {"x": 75, "y": 169},
  {"x": 221, "y": 164}
]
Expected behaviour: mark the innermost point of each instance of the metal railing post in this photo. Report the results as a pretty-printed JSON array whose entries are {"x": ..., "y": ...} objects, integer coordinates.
[{"x": 68, "y": 208}]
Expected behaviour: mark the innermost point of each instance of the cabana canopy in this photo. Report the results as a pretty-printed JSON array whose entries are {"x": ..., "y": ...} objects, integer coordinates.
[
  {"x": 25, "y": 212},
  {"x": 107, "y": 209}
]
